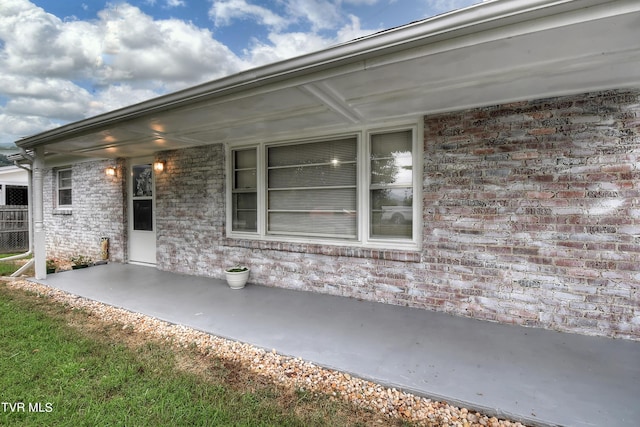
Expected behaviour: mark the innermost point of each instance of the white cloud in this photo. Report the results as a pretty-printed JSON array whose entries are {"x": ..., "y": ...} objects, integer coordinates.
[
  {"x": 365, "y": 2},
  {"x": 53, "y": 71},
  {"x": 68, "y": 109},
  {"x": 283, "y": 46},
  {"x": 441, "y": 6},
  {"x": 38, "y": 43},
  {"x": 224, "y": 12},
  {"x": 352, "y": 30},
  {"x": 23, "y": 86},
  {"x": 116, "y": 96},
  {"x": 320, "y": 14},
  {"x": 176, "y": 53},
  {"x": 14, "y": 127},
  {"x": 175, "y": 3}
]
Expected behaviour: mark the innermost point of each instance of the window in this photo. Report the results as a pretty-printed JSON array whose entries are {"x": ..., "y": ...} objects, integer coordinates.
[
  {"x": 244, "y": 188},
  {"x": 391, "y": 185},
  {"x": 142, "y": 186},
  {"x": 311, "y": 189},
  {"x": 64, "y": 188},
  {"x": 356, "y": 189}
]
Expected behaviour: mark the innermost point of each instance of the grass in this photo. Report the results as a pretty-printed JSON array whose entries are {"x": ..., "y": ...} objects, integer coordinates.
[
  {"x": 9, "y": 254},
  {"x": 85, "y": 372},
  {"x": 7, "y": 268}
]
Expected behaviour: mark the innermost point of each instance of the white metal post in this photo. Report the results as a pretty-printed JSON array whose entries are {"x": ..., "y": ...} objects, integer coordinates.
[{"x": 39, "y": 240}]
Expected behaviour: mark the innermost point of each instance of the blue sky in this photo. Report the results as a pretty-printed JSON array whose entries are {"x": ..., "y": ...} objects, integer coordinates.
[{"x": 65, "y": 60}]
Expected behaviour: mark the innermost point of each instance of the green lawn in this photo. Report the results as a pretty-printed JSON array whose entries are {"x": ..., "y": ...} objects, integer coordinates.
[
  {"x": 9, "y": 254},
  {"x": 62, "y": 367},
  {"x": 7, "y": 268}
]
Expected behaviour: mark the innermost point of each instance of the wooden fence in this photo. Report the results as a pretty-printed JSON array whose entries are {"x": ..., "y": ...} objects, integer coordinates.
[{"x": 14, "y": 229}]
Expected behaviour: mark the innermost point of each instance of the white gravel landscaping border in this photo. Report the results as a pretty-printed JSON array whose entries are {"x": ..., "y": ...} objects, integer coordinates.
[{"x": 283, "y": 370}]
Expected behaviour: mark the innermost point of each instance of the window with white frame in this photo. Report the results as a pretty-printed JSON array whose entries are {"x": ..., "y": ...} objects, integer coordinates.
[
  {"x": 64, "y": 188},
  {"x": 244, "y": 190},
  {"x": 391, "y": 185},
  {"x": 357, "y": 189},
  {"x": 312, "y": 189}
]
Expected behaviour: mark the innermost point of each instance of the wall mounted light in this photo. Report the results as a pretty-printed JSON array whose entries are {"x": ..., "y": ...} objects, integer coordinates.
[
  {"x": 158, "y": 166},
  {"x": 110, "y": 171}
]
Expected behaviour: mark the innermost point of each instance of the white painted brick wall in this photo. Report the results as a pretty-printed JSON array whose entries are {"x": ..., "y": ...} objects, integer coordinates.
[
  {"x": 99, "y": 210},
  {"x": 530, "y": 217}
]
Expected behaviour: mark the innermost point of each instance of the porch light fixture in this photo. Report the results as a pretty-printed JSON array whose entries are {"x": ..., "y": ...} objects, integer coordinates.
[
  {"x": 110, "y": 171},
  {"x": 158, "y": 166}
]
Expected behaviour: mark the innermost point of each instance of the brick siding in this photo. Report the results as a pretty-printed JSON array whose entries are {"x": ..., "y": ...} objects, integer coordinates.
[
  {"x": 532, "y": 214},
  {"x": 98, "y": 210},
  {"x": 190, "y": 212},
  {"x": 531, "y": 217}
]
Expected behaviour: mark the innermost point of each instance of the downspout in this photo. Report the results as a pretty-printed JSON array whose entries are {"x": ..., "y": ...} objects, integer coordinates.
[{"x": 22, "y": 269}]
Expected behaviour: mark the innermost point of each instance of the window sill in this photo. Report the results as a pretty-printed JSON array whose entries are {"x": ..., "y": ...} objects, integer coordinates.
[
  {"x": 62, "y": 211},
  {"x": 329, "y": 250}
]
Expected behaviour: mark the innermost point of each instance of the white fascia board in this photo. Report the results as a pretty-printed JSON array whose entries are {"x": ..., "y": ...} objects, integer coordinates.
[
  {"x": 477, "y": 18},
  {"x": 507, "y": 31}
]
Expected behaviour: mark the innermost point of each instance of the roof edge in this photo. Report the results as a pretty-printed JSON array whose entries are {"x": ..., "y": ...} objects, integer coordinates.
[{"x": 482, "y": 16}]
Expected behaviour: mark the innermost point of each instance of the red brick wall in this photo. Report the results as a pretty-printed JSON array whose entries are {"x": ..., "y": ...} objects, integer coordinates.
[{"x": 532, "y": 213}]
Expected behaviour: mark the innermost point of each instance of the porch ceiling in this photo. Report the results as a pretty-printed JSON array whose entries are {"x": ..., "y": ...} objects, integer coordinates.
[{"x": 484, "y": 55}]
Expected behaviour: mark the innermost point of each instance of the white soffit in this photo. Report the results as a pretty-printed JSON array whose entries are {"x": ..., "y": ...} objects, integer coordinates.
[{"x": 500, "y": 51}]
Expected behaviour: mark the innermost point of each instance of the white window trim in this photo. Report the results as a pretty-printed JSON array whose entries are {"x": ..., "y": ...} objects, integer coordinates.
[
  {"x": 362, "y": 183},
  {"x": 58, "y": 188},
  {"x": 415, "y": 242}
]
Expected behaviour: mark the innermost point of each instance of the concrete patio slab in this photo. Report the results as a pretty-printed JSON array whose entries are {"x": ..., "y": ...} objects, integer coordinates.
[{"x": 537, "y": 376}]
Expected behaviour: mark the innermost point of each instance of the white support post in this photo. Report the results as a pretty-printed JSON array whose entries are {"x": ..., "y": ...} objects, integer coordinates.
[{"x": 39, "y": 240}]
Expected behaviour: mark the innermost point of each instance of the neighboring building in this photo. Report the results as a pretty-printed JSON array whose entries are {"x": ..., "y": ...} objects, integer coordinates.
[
  {"x": 14, "y": 186},
  {"x": 506, "y": 135},
  {"x": 14, "y": 212}
]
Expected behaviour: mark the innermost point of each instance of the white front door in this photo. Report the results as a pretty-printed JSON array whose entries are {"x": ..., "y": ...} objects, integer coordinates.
[{"x": 142, "y": 218}]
